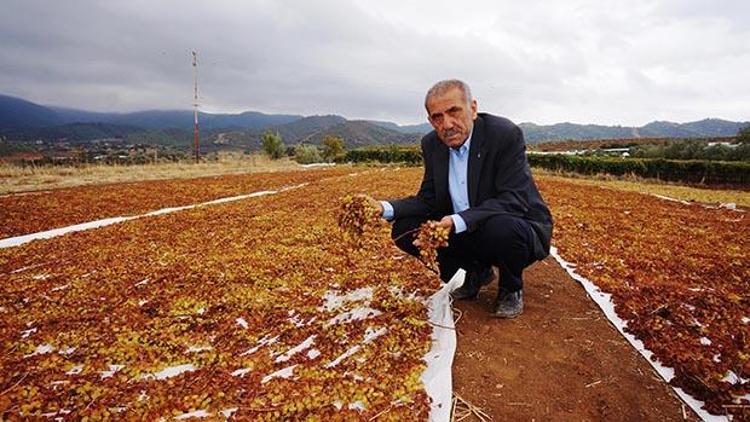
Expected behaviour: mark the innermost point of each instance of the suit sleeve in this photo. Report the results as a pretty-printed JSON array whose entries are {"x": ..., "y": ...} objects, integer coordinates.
[
  {"x": 423, "y": 203},
  {"x": 512, "y": 180}
]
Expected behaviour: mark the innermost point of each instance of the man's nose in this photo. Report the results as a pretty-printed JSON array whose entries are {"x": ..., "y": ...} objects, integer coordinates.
[{"x": 448, "y": 123}]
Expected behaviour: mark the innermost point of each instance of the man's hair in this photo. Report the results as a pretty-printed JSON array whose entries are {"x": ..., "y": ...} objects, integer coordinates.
[{"x": 444, "y": 86}]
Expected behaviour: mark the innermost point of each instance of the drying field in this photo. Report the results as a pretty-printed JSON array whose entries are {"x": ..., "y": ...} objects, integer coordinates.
[
  {"x": 678, "y": 273},
  {"x": 258, "y": 309},
  {"x": 31, "y": 212},
  {"x": 253, "y": 308}
]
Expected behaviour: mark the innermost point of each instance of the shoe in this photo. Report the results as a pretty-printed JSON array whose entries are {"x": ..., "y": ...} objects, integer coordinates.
[
  {"x": 508, "y": 304},
  {"x": 474, "y": 282}
]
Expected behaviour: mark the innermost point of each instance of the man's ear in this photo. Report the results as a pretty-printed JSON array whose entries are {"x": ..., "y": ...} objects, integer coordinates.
[{"x": 473, "y": 109}]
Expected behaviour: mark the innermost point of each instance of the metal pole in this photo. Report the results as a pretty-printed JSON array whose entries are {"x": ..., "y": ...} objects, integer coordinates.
[{"x": 196, "y": 133}]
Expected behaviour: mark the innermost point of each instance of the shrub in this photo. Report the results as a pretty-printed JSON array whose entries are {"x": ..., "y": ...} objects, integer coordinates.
[{"x": 307, "y": 154}]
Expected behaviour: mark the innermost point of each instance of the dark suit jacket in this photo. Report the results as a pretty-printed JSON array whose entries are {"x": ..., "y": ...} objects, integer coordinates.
[{"x": 499, "y": 180}]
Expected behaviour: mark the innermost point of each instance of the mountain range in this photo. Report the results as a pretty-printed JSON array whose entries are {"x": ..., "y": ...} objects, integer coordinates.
[{"x": 22, "y": 120}]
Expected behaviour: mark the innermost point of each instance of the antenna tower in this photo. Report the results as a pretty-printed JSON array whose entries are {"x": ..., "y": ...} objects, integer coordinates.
[{"x": 196, "y": 132}]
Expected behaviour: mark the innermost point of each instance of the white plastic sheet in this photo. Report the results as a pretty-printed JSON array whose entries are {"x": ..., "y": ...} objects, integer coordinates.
[
  {"x": 438, "y": 377},
  {"x": 604, "y": 300}
]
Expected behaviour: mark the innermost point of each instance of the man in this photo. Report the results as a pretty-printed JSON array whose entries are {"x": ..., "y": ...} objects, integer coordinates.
[{"x": 477, "y": 184}]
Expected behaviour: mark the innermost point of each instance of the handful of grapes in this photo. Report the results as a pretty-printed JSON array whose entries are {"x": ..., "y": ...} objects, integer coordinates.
[
  {"x": 429, "y": 238},
  {"x": 356, "y": 217}
]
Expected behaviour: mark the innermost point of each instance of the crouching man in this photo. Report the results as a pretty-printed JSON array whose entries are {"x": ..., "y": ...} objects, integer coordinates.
[{"x": 477, "y": 184}]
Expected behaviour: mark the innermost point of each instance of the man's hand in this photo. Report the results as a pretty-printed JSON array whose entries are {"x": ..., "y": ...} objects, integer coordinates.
[
  {"x": 373, "y": 203},
  {"x": 446, "y": 222}
]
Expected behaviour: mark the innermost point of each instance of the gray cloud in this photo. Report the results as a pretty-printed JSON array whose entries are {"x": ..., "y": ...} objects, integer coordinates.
[{"x": 544, "y": 61}]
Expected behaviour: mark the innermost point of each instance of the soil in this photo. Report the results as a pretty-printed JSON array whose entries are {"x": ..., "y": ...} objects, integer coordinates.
[{"x": 560, "y": 360}]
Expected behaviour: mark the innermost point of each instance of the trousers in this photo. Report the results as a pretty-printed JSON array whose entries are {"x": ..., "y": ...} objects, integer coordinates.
[{"x": 504, "y": 241}]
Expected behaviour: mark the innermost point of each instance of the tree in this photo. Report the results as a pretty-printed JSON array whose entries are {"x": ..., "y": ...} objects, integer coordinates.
[
  {"x": 743, "y": 136},
  {"x": 333, "y": 146},
  {"x": 272, "y": 144}
]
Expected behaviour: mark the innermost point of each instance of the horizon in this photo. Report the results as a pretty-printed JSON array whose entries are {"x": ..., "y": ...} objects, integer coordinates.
[{"x": 235, "y": 113}]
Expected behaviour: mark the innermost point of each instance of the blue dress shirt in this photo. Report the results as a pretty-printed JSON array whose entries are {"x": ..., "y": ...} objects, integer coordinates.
[{"x": 458, "y": 167}]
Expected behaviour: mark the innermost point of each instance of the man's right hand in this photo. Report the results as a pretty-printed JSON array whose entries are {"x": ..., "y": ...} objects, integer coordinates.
[{"x": 373, "y": 202}]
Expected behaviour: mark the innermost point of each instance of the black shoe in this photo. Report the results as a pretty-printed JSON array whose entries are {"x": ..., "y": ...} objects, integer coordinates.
[
  {"x": 508, "y": 304},
  {"x": 473, "y": 283}
]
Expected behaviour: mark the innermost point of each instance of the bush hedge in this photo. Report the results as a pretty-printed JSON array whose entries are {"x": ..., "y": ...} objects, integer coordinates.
[
  {"x": 690, "y": 171},
  {"x": 687, "y": 171},
  {"x": 411, "y": 155}
]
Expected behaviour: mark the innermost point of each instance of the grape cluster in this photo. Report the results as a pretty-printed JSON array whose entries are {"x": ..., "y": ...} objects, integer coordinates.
[
  {"x": 356, "y": 217},
  {"x": 431, "y": 237}
]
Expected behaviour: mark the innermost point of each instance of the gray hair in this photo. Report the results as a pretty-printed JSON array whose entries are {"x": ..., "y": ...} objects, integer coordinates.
[{"x": 444, "y": 86}]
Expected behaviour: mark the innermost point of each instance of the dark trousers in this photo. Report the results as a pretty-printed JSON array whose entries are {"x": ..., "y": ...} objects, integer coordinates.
[{"x": 503, "y": 241}]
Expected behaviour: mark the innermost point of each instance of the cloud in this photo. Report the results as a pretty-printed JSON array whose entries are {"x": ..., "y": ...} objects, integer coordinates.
[{"x": 544, "y": 61}]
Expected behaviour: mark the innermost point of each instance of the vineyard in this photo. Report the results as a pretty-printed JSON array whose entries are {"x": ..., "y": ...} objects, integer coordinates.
[{"x": 261, "y": 308}]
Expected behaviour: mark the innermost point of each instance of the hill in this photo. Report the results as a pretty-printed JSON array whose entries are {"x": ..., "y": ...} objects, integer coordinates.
[
  {"x": 180, "y": 119},
  {"x": 71, "y": 132},
  {"x": 358, "y": 133},
  {"x": 658, "y": 129},
  {"x": 312, "y": 130},
  {"x": 17, "y": 113},
  {"x": 414, "y": 129},
  {"x": 560, "y": 131},
  {"x": 701, "y": 128},
  {"x": 535, "y": 133},
  {"x": 301, "y": 129},
  {"x": 20, "y": 119}
]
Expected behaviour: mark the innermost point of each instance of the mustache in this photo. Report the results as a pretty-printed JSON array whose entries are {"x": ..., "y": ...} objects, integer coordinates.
[{"x": 450, "y": 132}]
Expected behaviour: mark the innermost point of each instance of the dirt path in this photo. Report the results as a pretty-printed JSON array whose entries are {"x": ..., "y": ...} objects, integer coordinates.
[{"x": 560, "y": 360}]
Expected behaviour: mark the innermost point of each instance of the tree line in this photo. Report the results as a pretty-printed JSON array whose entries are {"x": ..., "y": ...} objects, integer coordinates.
[{"x": 331, "y": 148}]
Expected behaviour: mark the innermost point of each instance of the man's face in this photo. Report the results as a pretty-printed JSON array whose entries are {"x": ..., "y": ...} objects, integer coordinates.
[{"x": 451, "y": 117}]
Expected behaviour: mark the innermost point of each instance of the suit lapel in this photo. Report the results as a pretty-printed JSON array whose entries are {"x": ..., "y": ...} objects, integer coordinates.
[
  {"x": 440, "y": 164},
  {"x": 476, "y": 157}
]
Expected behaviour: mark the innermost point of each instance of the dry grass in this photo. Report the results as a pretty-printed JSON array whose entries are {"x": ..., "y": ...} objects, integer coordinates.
[
  {"x": 19, "y": 179},
  {"x": 462, "y": 410},
  {"x": 655, "y": 187}
]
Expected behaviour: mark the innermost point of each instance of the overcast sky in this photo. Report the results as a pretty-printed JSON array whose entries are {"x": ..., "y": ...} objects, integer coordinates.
[{"x": 584, "y": 61}]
